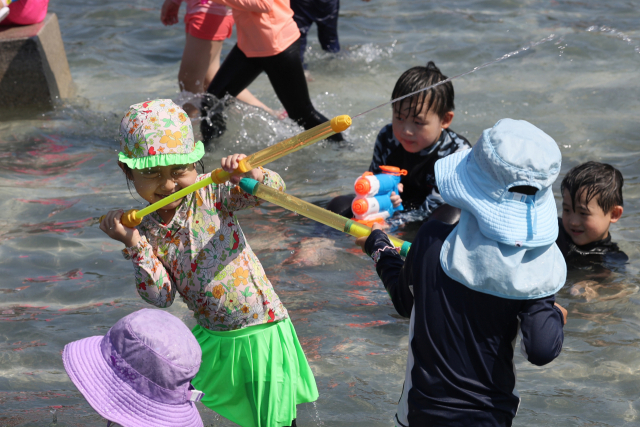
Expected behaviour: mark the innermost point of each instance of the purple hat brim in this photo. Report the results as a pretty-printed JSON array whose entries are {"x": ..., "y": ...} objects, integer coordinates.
[{"x": 113, "y": 398}]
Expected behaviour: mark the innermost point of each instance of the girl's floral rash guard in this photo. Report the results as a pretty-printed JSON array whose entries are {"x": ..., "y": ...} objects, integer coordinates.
[{"x": 203, "y": 255}]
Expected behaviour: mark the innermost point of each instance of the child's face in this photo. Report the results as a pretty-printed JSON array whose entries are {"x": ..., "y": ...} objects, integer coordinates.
[
  {"x": 588, "y": 222},
  {"x": 416, "y": 133},
  {"x": 155, "y": 184}
]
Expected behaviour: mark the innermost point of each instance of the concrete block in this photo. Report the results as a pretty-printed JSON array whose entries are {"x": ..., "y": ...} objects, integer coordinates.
[{"x": 34, "y": 71}]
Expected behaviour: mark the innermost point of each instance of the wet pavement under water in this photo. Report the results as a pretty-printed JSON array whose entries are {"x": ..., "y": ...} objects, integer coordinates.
[{"x": 62, "y": 279}]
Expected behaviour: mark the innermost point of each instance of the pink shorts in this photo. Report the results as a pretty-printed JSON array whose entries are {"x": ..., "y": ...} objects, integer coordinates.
[{"x": 208, "y": 26}]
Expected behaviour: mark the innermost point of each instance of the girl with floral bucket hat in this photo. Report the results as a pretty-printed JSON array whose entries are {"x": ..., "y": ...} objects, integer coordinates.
[{"x": 254, "y": 371}]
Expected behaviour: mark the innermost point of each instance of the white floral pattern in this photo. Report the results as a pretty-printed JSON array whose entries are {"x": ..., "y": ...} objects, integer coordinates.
[{"x": 203, "y": 255}]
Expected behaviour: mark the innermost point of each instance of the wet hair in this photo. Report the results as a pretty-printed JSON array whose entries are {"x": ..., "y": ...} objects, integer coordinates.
[
  {"x": 129, "y": 176},
  {"x": 595, "y": 179},
  {"x": 438, "y": 99}
]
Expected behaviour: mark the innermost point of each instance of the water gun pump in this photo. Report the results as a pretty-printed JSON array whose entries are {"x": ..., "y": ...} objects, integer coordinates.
[{"x": 373, "y": 195}]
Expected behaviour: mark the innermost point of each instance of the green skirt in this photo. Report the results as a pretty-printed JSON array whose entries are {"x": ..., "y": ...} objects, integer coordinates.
[{"x": 254, "y": 376}]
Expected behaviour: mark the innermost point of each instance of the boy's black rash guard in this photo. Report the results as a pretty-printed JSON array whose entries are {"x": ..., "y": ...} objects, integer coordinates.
[
  {"x": 420, "y": 189},
  {"x": 593, "y": 253},
  {"x": 460, "y": 369}
]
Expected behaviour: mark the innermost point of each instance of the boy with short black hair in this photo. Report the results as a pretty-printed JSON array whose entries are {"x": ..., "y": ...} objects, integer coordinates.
[
  {"x": 591, "y": 202},
  {"x": 417, "y": 137},
  {"x": 470, "y": 289}
]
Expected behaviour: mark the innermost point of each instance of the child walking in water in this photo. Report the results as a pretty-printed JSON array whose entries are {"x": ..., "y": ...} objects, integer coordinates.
[
  {"x": 207, "y": 25},
  {"x": 253, "y": 369}
]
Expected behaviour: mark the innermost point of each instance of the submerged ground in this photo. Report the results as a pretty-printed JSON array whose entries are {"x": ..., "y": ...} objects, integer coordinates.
[{"x": 63, "y": 280}]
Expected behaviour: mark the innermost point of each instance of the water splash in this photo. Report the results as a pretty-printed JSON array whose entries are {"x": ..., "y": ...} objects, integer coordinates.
[
  {"x": 613, "y": 32},
  {"x": 370, "y": 52},
  {"x": 503, "y": 57},
  {"x": 316, "y": 416}
]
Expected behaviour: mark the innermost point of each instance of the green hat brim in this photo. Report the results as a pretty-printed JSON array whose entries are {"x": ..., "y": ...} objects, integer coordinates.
[{"x": 163, "y": 159}]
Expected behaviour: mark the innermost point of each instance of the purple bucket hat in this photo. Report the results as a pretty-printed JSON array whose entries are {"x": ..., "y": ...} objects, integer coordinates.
[{"x": 140, "y": 373}]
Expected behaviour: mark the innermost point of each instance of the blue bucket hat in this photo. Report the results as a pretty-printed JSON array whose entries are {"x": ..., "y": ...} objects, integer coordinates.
[
  {"x": 511, "y": 153},
  {"x": 504, "y": 244}
]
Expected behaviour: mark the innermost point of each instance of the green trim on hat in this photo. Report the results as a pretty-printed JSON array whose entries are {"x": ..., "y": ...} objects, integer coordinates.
[{"x": 163, "y": 159}]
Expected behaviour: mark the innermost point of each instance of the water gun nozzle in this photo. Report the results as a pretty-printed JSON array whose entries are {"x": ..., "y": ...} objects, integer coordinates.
[
  {"x": 340, "y": 123},
  {"x": 360, "y": 206},
  {"x": 362, "y": 186}
]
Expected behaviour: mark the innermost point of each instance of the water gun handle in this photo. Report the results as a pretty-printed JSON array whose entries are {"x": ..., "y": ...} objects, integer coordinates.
[{"x": 129, "y": 218}]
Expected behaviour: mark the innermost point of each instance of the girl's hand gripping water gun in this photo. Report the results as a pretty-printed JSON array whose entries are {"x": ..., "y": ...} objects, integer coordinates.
[{"x": 373, "y": 195}]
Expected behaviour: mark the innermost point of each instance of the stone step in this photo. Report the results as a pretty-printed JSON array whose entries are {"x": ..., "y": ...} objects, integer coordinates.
[{"x": 34, "y": 71}]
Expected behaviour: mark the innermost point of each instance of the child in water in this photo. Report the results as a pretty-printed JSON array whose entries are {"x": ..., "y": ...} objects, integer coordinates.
[
  {"x": 416, "y": 138},
  {"x": 591, "y": 202},
  {"x": 470, "y": 289},
  {"x": 207, "y": 25},
  {"x": 254, "y": 371}
]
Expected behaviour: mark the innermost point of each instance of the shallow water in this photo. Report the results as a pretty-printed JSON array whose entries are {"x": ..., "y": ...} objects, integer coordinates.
[{"x": 63, "y": 280}]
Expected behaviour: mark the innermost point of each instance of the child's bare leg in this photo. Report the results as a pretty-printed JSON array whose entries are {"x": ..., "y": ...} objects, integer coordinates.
[
  {"x": 244, "y": 96},
  {"x": 198, "y": 59}
]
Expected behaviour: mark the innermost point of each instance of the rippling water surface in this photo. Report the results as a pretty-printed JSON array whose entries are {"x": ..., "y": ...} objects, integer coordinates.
[{"x": 63, "y": 280}]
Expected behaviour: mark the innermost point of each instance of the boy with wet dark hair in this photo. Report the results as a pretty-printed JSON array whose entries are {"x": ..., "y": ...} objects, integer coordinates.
[
  {"x": 591, "y": 202},
  {"x": 417, "y": 137}
]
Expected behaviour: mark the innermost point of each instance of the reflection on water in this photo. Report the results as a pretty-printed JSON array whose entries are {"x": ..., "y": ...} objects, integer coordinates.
[{"x": 62, "y": 280}]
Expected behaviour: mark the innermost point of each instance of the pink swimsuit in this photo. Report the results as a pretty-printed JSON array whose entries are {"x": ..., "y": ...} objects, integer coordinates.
[{"x": 264, "y": 27}]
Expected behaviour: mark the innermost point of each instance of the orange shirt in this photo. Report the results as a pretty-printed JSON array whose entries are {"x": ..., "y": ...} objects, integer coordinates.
[{"x": 265, "y": 27}]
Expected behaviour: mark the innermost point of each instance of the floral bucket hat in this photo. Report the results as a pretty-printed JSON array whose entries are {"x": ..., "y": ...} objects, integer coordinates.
[{"x": 157, "y": 133}]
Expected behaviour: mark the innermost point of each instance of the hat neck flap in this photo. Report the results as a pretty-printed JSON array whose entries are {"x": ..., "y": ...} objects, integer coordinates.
[{"x": 511, "y": 272}]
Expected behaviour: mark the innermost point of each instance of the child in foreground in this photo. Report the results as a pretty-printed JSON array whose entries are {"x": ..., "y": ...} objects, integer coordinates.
[
  {"x": 253, "y": 370},
  {"x": 139, "y": 374},
  {"x": 591, "y": 202},
  {"x": 469, "y": 289},
  {"x": 416, "y": 138}
]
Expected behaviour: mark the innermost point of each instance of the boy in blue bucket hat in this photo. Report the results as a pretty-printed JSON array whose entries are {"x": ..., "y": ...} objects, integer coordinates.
[{"x": 470, "y": 288}]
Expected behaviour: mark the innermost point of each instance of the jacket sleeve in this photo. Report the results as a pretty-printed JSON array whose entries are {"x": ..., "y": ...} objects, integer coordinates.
[
  {"x": 256, "y": 6},
  {"x": 153, "y": 282},
  {"x": 541, "y": 329},
  {"x": 391, "y": 270}
]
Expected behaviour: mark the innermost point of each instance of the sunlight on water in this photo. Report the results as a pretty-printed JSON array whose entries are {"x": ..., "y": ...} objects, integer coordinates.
[{"x": 64, "y": 280}]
